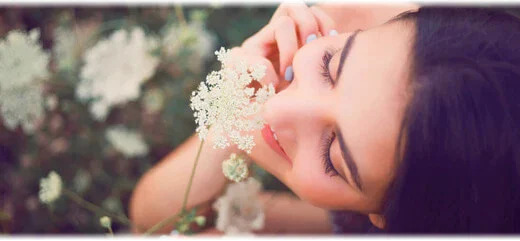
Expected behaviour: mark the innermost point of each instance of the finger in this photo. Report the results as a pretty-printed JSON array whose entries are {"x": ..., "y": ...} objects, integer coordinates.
[
  {"x": 280, "y": 34},
  {"x": 260, "y": 41},
  {"x": 325, "y": 22},
  {"x": 303, "y": 17},
  {"x": 282, "y": 10},
  {"x": 305, "y": 22},
  {"x": 287, "y": 42}
]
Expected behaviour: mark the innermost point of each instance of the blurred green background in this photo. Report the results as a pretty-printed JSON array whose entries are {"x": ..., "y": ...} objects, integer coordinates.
[{"x": 69, "y": 140}]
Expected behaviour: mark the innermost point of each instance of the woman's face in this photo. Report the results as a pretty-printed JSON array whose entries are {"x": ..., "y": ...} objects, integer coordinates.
[{"x": 349, "y": 110}]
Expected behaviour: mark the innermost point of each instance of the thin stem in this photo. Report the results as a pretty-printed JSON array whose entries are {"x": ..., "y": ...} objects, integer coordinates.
[
  {"x": 94, "y": 208},
  {"x": 180, "y": 15},
  {"x": 172, "y": 218},
  {"x": 162, "y": 223},
  {"x": 110, "y": 230},
  {"x": 188, "y": 188}
]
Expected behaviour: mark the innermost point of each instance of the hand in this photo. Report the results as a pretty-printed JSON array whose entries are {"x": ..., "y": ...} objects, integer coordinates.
[{"x": 291, "y": 26}]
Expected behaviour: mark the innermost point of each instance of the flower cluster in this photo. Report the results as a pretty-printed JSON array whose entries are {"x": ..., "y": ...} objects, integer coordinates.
[
  {"x": 50, "y": 188},
  {"x": 235, "y": 168},
  {"x": 126, "y": 141},
  {"x": 114, "y": 70},
  {"x": 23, "y": 65},
  {"x": 239, "y": 210},
  {"x": 224, "y": 103}
]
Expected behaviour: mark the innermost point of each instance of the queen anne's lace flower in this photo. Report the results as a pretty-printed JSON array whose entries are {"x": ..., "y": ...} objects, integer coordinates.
[
  {"x": 235, "y": 168},
  {"x": 240, "y": 211},
  {"x": 114, "y": 70},
  {"x": 23, "y": 65},
  {"x": 126, "y": 141},
  {"x": 22, "y": 60},
  {"x": 22, "y": 106},
  {"x": 50, "y": 188},
  {"x": 224, "y": 102}
]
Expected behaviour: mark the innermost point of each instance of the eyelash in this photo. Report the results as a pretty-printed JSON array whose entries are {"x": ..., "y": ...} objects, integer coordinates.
[
  {"x": 327, "y": 142},
  {"x": 325, "y": 155},
  {"x": 327, "y": 56}
]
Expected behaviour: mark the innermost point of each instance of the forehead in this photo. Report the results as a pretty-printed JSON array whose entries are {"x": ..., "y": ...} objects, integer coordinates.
[{"x": 372, "y": 96}]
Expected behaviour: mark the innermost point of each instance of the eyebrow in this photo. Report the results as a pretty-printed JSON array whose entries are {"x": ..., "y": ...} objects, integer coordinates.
[
  {"x": 345, "y": 52},
  {"x": 345, "y": 152},
  {"x": 351, "y": 165}
]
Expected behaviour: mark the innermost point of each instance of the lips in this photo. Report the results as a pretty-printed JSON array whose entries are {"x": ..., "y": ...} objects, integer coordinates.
[{"x": 271, "y": 140}]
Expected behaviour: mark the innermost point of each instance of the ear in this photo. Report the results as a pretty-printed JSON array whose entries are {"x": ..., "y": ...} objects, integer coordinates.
[{"x": 377, "y": 220}]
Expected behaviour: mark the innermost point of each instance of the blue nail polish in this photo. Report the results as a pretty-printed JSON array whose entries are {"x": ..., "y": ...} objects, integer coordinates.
[
  {"x": 310, "y": 38},
  {"x": 333, "y": 32},
  {"x": 289, "y": 74}
]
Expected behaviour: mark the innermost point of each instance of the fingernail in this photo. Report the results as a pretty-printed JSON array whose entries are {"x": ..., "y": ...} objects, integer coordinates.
[
  {"x": 310, "y": 38},
  {"x": 333, "y": 32},
  {"x": 289, "y": 74}
]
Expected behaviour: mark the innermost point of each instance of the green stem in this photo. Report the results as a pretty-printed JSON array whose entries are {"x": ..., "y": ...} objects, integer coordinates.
[
  {"x": 110, "y": 230},
  {"x": 180, "y": 15},
  {"x": 94, "y": 208},
  {"x": 162, "y": 223},
  {"x": 188, "y": 188},
  {"x": 172, "y": 218}
]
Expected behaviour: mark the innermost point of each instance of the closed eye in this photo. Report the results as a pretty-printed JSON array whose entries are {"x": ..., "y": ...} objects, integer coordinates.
[{"x": 325, "y": 71}]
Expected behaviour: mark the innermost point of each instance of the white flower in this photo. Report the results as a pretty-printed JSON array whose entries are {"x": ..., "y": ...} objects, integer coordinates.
[
  {"x": 50, "y": 188},
  {"x": 114, "y": 70},
  {"x": 126, "y": 141},
  {"x": 235, "y": 168},
  {"x": 105, "y": 222},
  {"x": 23, "y": 65},
  {"x": 240, "y": 211},
  {"x": 22, "y": 60},
  {"x": 192, "y": 36},
  {"x": 23, "y": 105},
  {"x": 224, "y": 102}
]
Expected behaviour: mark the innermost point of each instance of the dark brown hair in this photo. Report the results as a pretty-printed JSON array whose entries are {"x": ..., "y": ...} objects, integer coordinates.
[{"x": 459, "y": 171}]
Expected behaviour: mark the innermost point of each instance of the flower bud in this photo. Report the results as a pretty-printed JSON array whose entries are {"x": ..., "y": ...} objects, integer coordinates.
[
  {"x": 105, "y": 222},
  {"x": 200, "y": 220},
  {"x": 235, "y": 168}
]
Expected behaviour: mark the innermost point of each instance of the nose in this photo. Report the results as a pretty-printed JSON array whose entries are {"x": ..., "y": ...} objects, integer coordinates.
[{"x": 297, "y": 110}]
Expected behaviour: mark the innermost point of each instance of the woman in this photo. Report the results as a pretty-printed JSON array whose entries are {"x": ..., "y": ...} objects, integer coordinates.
[{"x": 414, "y": 123}]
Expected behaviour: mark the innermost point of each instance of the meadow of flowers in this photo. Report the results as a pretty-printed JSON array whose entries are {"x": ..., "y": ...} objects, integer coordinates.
[{"x": 91, "y": 98}]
